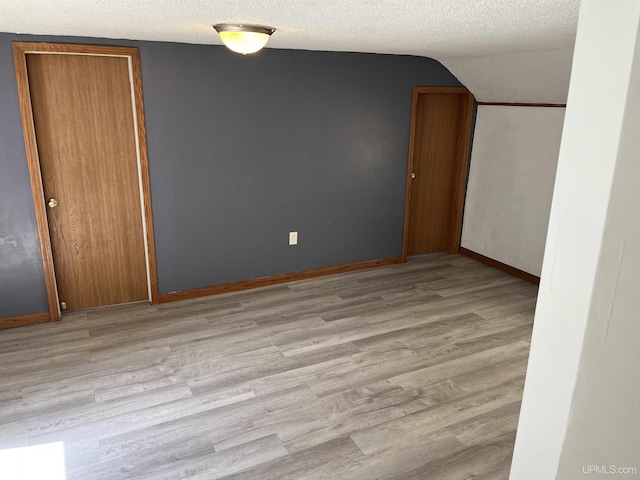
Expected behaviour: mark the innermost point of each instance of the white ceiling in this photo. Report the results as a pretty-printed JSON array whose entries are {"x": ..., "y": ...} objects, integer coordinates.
[{"x": 503, "y": 50}]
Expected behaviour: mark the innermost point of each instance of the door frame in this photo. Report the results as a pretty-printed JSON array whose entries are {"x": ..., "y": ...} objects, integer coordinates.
[
  {"x": 20, "y": 50},
  {"x": 461, "y": 167}
]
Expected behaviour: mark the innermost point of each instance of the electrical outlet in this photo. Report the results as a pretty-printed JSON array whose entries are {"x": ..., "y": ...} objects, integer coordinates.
[{"x": 293, "y": 238}]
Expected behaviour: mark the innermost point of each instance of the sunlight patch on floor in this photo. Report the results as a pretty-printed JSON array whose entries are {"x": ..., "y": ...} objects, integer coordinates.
[{"x": 35, "y": 462}]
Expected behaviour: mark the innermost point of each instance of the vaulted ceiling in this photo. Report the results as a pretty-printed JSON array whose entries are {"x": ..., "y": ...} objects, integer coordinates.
[{"x": 502, "y": 50}]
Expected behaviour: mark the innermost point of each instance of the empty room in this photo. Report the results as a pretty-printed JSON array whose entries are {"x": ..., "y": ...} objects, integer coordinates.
[{"x": 319, "y": 240}]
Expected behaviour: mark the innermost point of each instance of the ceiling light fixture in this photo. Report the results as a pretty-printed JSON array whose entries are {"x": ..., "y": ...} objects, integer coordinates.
[{"x": 244, "y": 39}]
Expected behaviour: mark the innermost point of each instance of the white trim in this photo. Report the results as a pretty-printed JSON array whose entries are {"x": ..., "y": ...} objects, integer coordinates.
[
  {"x": 139, "y": 165},
  {"x": 40, "y": 52}
]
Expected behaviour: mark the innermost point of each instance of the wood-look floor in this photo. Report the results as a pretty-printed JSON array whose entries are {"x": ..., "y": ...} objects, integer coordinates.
[{"x": 412, "y": 371}]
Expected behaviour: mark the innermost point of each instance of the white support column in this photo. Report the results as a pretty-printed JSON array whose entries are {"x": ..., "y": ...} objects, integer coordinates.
[{"x": 580, "y": 414}]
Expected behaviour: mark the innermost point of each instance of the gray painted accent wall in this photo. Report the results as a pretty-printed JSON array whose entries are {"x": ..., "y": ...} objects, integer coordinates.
[
  {"x": 22, "y": 287},
  {"x": 243, "y": 150}
]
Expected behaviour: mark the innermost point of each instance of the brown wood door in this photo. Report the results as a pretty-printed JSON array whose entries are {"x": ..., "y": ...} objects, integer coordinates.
[
  {"x": 433, "y": 176},
  {"x": 83, "y": 119}
]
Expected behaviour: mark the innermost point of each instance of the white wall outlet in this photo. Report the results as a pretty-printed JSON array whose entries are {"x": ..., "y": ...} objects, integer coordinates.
[{"x": 293, "y": 238}]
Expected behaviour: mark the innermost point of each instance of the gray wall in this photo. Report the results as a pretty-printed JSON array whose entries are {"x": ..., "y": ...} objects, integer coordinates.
[{"x": 242, "y": 150}]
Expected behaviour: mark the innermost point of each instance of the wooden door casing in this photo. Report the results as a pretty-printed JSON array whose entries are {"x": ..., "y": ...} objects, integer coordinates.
[
  {"x": 441, "y": 121},
  {"x": 84, "y": 127}
]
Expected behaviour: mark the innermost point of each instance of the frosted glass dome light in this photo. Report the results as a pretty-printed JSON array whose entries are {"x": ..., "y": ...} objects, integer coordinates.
[{"x": 244, "y": 39}]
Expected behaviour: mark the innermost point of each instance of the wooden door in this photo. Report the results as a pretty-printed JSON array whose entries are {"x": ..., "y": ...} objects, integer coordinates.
[
  {"x": 440, "y": 123},
  {"x": 83, "y": 118}
]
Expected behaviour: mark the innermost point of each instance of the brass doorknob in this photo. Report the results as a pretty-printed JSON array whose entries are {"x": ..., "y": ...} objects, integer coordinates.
[
  {"x": 413, "y": 175},
  {"x": 52, "y": 203}
]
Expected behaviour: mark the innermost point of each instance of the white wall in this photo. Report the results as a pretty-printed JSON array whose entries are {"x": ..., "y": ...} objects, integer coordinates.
[
  {"x": 581, "y": 402},
  {"x": 604, "y": 427},
  {"x": 532, "y": 77},
  {"x": 511, "y": 177}
]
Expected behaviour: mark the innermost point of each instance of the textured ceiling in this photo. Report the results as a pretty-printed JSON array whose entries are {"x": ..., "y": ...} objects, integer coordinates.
[{"x": 459, "y": 33}]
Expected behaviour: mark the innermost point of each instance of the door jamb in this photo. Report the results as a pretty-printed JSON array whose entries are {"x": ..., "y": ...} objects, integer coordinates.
[
  {"x": 20, "y": 50},
  {"x": 461, "y": 167}
]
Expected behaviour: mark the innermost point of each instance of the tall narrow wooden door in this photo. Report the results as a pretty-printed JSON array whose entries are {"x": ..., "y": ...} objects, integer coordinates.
[
  {"x": 83, "y": 119},
  {"x": 437, "y": 122}
]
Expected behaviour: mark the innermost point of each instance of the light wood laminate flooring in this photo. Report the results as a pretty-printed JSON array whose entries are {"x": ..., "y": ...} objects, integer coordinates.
[{"x": 411, "y": 371}]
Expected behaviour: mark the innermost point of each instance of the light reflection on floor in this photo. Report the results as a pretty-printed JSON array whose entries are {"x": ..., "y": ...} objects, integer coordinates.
[{"x": 37, "y": 462}]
